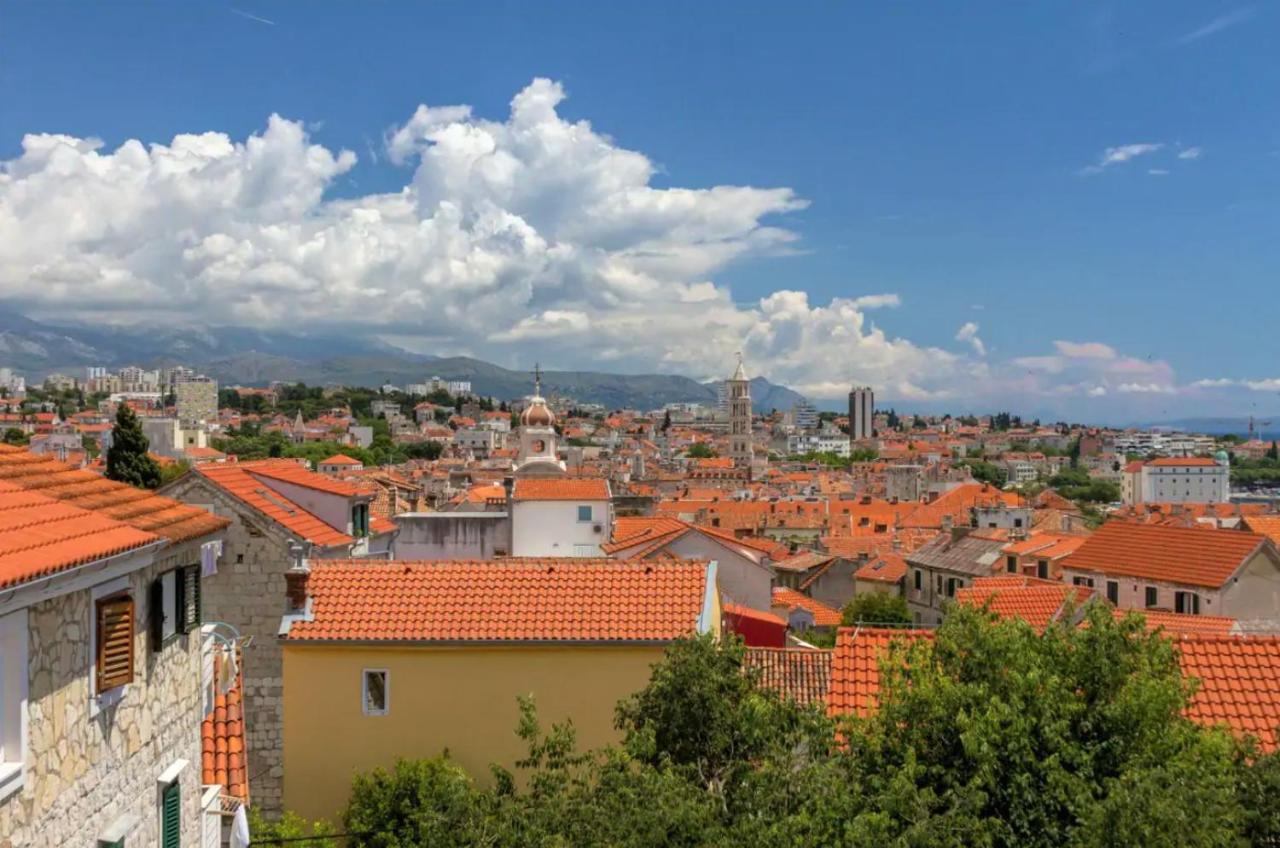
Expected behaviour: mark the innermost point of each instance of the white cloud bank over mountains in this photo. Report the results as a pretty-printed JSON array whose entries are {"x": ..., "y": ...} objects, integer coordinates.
[{"x": 532, "y": 236}]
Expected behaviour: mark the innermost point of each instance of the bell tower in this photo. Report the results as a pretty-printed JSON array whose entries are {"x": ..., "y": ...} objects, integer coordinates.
[
  {"x": 739, "y": 390},
  {"x": 538, "y": 455}
]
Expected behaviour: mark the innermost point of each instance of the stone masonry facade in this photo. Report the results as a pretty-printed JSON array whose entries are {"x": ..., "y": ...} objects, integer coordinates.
[
  {"x": 83, "y": 771},
  {"x": 248, "y": 592}
]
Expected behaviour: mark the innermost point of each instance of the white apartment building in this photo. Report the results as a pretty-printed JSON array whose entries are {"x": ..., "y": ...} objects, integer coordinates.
[
  {"x": 819, "y": 443},
  {"x": 804, "y": 415},
  {"x": 1177, "y": 480}
]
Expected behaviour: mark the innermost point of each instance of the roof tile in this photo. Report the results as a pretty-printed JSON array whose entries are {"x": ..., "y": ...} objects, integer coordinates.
[{"x": 517, "y": 599}]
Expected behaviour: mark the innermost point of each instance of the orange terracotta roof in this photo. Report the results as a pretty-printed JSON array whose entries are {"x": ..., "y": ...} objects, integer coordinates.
[
  {"x": 1179, "y": 462},
  {"x": 883, "y": 568},
  {"x": 1197, "y": 556},
  {"x": 1239, "y": 683},
  {"x": 508, "y": 600},
  {"x": 340, "y": 459},
  {"x": 855, "y": 667},
  {"x": 138, "y": 508},
  {"x": 40, "y": 536},
  {"x": 288, "y": 471},
  {"x": 743, "y": 611},
  {"x": 629, "y": 531},
  {"x": 561, "y": 489},
  {"x": 1037, "y": 602},
  {"x": 223, "y": 755},
  {"x": 801, "y": 674},
  {"x": 823, "y": 615},
  {"x": 235, "y": 480},
  {"x": 1179, "y": 623},
  {"x": 1267, "y": 525}
]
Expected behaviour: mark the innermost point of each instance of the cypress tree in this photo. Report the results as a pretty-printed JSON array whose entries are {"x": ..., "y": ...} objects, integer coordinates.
[{"x": 128, "y": 460}]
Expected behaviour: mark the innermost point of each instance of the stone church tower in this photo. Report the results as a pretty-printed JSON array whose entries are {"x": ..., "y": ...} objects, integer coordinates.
[{"x": 739, "y": 391}]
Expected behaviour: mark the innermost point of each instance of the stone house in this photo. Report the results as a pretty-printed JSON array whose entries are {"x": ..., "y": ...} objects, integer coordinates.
[
  {"x": 1189, "y": 570},
  {"x": 279, "y": 513},
  {"x": 102, "y": 692},
  {"x": 952, "y": 561}
]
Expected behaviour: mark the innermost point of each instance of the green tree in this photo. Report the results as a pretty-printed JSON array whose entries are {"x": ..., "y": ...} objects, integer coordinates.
[
  {"x": 417, "y": 803},
  {"x": 290, "y": 830},
  {"x": 127, "y": 459},
  {"x": 994, "y": 734},
  {"x": 701, "y": 450},
  {"x": 876, "y": 608},
  {"x": 987, "y": 472},
  {"x": 172, "y": 471},
  {"x": 424, "y": 450},
  {"x": 1273, "y": 453},
  {"x": 14, "y": 436}
]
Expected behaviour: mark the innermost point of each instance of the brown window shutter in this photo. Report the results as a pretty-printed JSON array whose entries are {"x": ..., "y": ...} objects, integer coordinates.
[{"x": 115, "y": 642}]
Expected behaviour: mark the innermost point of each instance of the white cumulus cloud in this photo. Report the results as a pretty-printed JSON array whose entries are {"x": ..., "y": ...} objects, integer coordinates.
[{"x": 968, "y": 332}]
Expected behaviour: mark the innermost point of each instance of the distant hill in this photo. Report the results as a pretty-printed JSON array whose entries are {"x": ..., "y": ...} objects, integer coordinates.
[{"x": 257, "y": 357}]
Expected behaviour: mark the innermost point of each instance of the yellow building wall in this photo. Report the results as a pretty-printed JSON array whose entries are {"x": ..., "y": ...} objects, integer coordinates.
[{"x": 458, "y": 698}]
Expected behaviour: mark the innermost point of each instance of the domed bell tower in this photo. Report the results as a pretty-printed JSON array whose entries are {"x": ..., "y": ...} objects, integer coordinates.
[{"x": 538, "y": 436}]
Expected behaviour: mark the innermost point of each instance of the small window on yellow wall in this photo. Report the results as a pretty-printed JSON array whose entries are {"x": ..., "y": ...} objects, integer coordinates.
[{"x": 375, "y": 691}]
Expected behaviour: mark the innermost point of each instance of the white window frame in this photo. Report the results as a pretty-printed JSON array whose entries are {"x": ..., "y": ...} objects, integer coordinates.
[
  {"x": 168, "y": 605},
  {"x": 364, "y": 691},
  {"x": 14, "y": 667},
  {"x": 101, "y": 700}
]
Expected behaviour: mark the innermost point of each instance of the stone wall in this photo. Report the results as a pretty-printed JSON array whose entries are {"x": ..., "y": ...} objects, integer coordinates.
[
  {"x": 248, "y": 593},
  {"x": 84, "y": 771}
]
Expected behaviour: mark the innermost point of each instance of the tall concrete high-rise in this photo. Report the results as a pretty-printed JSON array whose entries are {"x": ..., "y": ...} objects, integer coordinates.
[
  {"x": 862, "y": 412},
  {"x": 739, "y": 390}
]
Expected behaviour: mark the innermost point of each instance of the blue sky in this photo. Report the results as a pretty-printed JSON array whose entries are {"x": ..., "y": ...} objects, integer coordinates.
[{"x": 948, "y": 154}]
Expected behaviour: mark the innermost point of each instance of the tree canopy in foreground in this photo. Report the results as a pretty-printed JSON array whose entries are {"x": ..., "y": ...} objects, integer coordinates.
[{"x": 990, "y": 734}]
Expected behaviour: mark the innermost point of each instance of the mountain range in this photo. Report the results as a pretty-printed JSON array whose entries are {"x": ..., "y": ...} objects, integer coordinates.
[{"x": 246, "y": 356}]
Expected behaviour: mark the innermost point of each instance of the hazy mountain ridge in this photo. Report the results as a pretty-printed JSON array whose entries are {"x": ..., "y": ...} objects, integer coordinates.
[{"x": 255, "y": 357}]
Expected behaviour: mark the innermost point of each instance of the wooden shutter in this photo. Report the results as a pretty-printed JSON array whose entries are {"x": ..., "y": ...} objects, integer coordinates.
[
  {"x": 171, "y": 816},
  {"x": 115, "y": 642}
]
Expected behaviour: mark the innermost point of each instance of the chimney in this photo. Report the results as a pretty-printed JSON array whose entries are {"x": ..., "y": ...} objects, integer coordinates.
[
  {"x": 295, "y": 579},
  {"x": 947, "y": 524},
  {"x": 295, "y": 586}
]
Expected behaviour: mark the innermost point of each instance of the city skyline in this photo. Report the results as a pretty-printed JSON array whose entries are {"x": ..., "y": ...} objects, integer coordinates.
[{"x": 1050, "y": 244}]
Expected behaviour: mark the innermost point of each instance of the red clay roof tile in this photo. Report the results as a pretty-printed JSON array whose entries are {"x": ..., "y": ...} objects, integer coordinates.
[
  {"x": 40, "y": 536},
  {"x": 823, "y": 615},
  {"x": 1197, "y": 556},
  {"x": 1239, "y": 683},
  {"x": 138, "y": 508},
  {"x": 560, "y": 489},
  {"x": 517, "y": 599}
]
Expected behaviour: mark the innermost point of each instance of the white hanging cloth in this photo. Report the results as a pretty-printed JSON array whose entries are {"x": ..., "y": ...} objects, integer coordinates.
[{"x": 240, "y": 829}]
